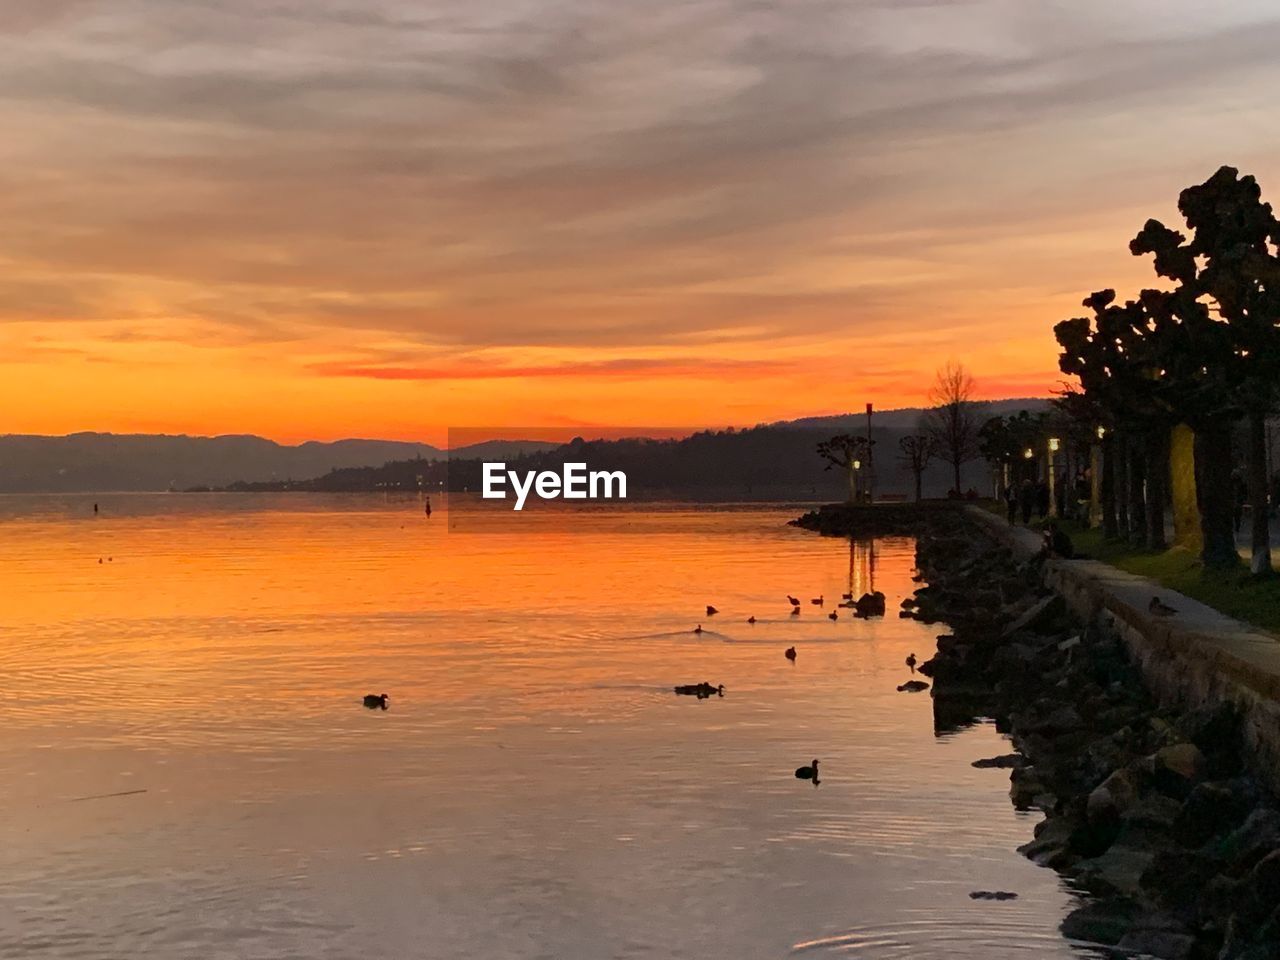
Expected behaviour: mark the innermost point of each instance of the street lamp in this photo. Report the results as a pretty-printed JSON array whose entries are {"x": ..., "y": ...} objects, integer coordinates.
[
  {"x": 1054, "y": 443},
  {"x": 1102, "y": 431},
  {"x": 857, "y": 479}
]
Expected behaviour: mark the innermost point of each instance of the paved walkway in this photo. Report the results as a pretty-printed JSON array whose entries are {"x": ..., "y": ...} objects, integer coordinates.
[{"x": 1249, "y": 654}]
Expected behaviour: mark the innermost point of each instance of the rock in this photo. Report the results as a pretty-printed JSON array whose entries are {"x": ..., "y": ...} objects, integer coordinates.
[
  {"x": 1050, "y": 847},
  {"x": 1104, "y": 922},
  {"x": 913, "y": 686},
  {"x": 1063, "y": 719},
  {"x": 1027, "y": 789},
  {"x": 1210, "y": 809},
  {"x": 1154, "y": 810},
  {"x": 1264, "y": 880},
  {"x": 992, "y": 895},
  {"x": 1177, "y": 767},
  {"x": 1164, "y": 944},
  {"x": 1042, "y": 612},
  {"x": 1179, "y": 878},
  {"x": 1119, "y": 870},
  {"x": 1007, "y": 761},
  {"x": 871, "y": 605},
  {"x": 1113, "y": 797},
  {"x": 1255, "y": 838}
]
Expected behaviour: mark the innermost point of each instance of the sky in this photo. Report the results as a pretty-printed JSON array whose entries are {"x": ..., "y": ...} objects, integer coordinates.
[{"x": 312, "y": 219}]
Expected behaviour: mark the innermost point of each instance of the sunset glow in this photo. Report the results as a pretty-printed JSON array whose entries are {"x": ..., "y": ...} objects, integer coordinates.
[{"x": 319, "y": 220}]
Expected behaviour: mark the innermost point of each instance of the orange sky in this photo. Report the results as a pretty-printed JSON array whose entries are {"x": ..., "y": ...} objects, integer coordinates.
[{"x": 383, "y": 218}]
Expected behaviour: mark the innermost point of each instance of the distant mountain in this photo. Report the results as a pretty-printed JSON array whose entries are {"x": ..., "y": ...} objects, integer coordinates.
[
  {"x": 103, "y": 462},
  {"x": 905, "y": 418}
]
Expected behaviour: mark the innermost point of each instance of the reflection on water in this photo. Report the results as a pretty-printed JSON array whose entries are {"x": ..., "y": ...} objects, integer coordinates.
[{"x": 190, "y": 770}]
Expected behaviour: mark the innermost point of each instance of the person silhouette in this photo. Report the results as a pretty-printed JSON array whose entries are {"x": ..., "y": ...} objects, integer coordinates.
[{"x": 428, "y": 508}]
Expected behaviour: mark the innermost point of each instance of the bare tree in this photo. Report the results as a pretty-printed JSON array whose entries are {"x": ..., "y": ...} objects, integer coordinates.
[
  {"x": 846, "y": 451},
  {"x": 917, "y": 451},
  {"x": 955, "y": 419}
]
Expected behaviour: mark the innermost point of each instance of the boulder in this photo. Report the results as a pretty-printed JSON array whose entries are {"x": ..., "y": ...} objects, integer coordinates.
[
  {"x": 1007, "y": 761},
  {"x": 1041, "y": 613},
  {"x": 1178, "y": 767},
  {"x": 1105, "y": 922},
  {"x": 1113, "y": 797}
]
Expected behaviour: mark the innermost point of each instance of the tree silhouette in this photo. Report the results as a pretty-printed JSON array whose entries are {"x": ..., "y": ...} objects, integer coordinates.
[
  {"x": 847, "y": 451},
  {"x": 917, "y": 451},
  {"x": 955, "y": 419}
]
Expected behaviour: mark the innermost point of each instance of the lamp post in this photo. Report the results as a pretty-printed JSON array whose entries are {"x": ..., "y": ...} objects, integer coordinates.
[
  {"x": 1053, "y": 496},
  {"x": 857, "y": 480}
]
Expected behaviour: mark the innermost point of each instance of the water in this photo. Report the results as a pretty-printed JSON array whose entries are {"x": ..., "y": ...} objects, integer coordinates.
[{"x": 189, "y": 771}]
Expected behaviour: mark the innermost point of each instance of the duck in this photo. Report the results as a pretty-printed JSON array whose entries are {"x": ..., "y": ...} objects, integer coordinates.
[
  {"x": 808, "y": 773},
  {"x": 911, "y": 662},
  {"x": 833, "y": 615},
  {"x": 795, "y": 611},
  {"x": 711, "y": 611},
  {"x": 375, "y": 701},
  {"x": 698, "y": 628},
  {"x": 791, "y": 654},
  {"x": 1160, "y": 608},
  {"x": 817, "y": 601},
  {"x": 751, "y": 619},
  {"x": 700, "y": 690},
  {"x": 795, "y": 601},
  {"x": 846, "y": 596}
]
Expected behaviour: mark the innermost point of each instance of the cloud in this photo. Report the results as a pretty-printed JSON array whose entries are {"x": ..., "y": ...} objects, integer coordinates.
[
  {"x": 670, "y": 176},
  {"x": 625, "y": 368}
]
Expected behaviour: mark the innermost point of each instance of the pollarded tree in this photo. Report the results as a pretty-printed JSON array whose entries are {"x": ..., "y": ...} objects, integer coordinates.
[
  {"x": 847, "y": 451},
  {"x": 1210, "y": 375},
  {"x": 917, "y": 451},
  {"x": 955, "y": 419},
  {"x": 1235, "y": 242}
]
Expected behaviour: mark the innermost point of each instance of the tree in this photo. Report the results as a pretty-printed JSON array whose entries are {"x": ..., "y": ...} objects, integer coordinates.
[
  {"x": 848, "y": 452},
  {"x": 955, "y": 419},
  {"x": 1229, "y": 361},
  {"x": 917, "y": 451}
]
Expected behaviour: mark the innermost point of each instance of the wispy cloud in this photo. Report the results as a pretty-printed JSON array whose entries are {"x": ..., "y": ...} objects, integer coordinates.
[{"x": 600, "y": 176}]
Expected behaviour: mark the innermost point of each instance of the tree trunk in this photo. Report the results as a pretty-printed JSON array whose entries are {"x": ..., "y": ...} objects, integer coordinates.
[
  {"x": 853, "y": 484},
  {"x": 1120, "y": 482},
  {"x": 1213, "y": 485},
  {"x": 1157, "y": 457},
  {"x": 1256, "y": 456},
  {"x": 956, "y": 467},
  {"x": 1137, "y": 531},
  {"x": 1107, "y": 488},
  {"x": 919, "y": 481}
]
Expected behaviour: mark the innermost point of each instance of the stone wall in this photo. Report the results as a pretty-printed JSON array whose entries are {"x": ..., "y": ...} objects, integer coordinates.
[{"x": 1195, "y": 657}]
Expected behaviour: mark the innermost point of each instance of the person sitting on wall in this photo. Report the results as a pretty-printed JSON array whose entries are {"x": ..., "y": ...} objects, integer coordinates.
[{"x": 1011, "y": 503}]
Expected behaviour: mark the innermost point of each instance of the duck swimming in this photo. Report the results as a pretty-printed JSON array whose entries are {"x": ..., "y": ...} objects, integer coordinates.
[
  {"x": 808, "y": 773},
  {"x": 711, "y": 611},
  {"x": 375, "y": 701},
  {"x": 698, "y": 628},
  {"x": 833, "y": 615},
  {"x": 700, "y": 690},
  {"x": 817, "y": 601},
  {"x": 751, "y": 619},
  {"x": 795, "y": 601},
  {"x": 911, "y": 662},
  {"x": 791, "y": 654}
]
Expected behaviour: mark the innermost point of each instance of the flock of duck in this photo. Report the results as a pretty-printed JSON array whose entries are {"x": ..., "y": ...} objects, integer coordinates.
[{"x": 868, "y": 605}]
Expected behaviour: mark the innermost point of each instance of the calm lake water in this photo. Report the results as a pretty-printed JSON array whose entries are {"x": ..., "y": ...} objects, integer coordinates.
[{"x": 189, "y": 772}]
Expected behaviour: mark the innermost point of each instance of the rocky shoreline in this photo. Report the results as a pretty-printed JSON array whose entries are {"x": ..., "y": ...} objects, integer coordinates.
[{"x": 1150, "y": 810}]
